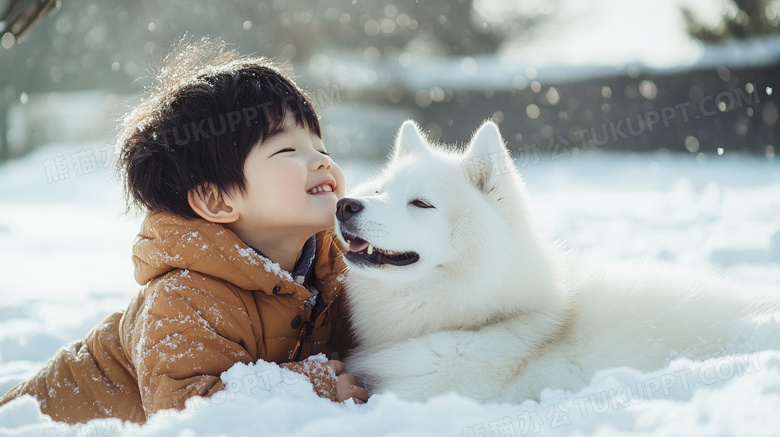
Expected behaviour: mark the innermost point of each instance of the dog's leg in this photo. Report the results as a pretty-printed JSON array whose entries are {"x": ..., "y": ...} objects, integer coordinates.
[{"x": 473, "y": 363}]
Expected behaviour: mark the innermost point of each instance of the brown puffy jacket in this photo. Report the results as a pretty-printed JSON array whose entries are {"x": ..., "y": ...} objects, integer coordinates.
[{"x": 209, "y": 301}]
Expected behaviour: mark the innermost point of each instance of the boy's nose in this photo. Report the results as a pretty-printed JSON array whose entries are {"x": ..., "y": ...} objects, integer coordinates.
[
  {"x": 321, "y": 161},
  {"x": 346, "y": 208}
]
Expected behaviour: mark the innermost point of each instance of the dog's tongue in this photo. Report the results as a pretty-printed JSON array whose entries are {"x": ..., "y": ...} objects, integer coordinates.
[{"x": 358, "y": 246}]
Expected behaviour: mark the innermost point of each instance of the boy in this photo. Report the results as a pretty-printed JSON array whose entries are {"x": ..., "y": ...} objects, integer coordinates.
[{"x": 236, "y": 255}]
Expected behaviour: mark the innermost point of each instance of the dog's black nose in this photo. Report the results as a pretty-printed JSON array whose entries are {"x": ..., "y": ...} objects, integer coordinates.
[{"x": 346, "y": 208}]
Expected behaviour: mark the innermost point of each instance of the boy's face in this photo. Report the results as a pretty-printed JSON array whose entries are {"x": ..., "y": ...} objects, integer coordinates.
[{"x": 291, "y": 186}]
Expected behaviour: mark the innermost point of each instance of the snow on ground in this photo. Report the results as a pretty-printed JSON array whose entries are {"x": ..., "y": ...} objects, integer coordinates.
[{"x": 65, "y": 263}]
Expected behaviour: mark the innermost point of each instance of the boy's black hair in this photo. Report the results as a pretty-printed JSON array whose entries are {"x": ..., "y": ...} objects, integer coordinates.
[{"x": 199, "y": 122}]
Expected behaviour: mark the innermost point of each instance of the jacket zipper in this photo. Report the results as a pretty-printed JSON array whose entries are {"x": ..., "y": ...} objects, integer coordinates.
[{"x": 308, "y": 327}]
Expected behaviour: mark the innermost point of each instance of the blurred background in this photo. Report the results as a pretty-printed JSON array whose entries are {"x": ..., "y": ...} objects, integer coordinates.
[{"x": 559, "y": 76}]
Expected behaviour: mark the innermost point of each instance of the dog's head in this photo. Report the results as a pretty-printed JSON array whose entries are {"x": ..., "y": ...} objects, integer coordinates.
[{"x": 434, "y": 209}]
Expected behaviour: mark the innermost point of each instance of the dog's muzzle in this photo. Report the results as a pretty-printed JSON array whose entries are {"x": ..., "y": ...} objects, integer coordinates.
[
  {"x": 360, "y": 251},
  {"x": 346, "y": 208}
]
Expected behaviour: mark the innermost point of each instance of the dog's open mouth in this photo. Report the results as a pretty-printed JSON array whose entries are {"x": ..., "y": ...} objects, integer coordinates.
[{"x": 363, "y": 252}]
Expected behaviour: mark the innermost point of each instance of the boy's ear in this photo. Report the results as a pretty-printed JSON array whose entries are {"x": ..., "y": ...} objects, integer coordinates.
[{"x": 211, "y": 205}]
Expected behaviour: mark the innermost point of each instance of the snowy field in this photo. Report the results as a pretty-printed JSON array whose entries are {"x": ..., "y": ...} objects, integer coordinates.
[{"x": 65, "y": 264}]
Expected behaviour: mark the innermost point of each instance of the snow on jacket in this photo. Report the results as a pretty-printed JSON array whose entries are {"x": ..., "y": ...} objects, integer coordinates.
[{"x": 208, "y": 302}]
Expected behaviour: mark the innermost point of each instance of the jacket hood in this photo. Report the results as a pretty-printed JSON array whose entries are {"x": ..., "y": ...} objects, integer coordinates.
[{"x": 167, "y": 242}]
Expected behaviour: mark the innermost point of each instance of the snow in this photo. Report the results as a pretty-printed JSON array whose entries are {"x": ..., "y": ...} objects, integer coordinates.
[
  {"x": 270, "y": 266},
  {"x": 607, "y": 32},
  {"x": 65, "y": 262},
  {"x": 511, "y": 69},
  {"x": 577, "y": 41}
]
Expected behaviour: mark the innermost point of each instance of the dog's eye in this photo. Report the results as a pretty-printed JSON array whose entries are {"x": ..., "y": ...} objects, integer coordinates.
[
  {"x": 377, "y": 191},
  {"x": 421, "y": 204}
]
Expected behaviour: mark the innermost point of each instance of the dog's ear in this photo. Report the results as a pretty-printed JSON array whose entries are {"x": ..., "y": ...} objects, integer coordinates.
[
  {"x": 409, "y": 141},
  {"x": 486, "y": 158}
]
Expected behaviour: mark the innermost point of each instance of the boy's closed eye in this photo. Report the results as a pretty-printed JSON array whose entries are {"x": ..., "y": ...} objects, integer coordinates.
[{"x": 290, "y": 149}]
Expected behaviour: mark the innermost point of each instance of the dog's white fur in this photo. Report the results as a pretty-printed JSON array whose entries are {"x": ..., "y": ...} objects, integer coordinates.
[{"x": 493, "y": 309}]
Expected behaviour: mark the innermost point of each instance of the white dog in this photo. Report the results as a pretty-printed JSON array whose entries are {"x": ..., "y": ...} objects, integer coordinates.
[{"x": 453, "y": 287}]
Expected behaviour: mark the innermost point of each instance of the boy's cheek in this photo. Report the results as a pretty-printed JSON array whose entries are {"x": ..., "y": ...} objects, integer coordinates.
[{"x": 338, "y": 175}]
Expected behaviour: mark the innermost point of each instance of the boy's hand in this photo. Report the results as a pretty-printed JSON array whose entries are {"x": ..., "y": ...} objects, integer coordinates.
[{"x": 347, "y": 385}]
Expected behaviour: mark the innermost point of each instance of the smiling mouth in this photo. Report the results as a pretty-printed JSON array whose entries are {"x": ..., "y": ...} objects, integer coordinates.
[
  {"x": 361, "y": 252},
  {"x": 322, "y": 188}
]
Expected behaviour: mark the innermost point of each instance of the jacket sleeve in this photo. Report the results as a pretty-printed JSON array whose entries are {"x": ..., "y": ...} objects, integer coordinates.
[
  {"x": 182, "y": 339},
  {"x": 321, "y": 376}
]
